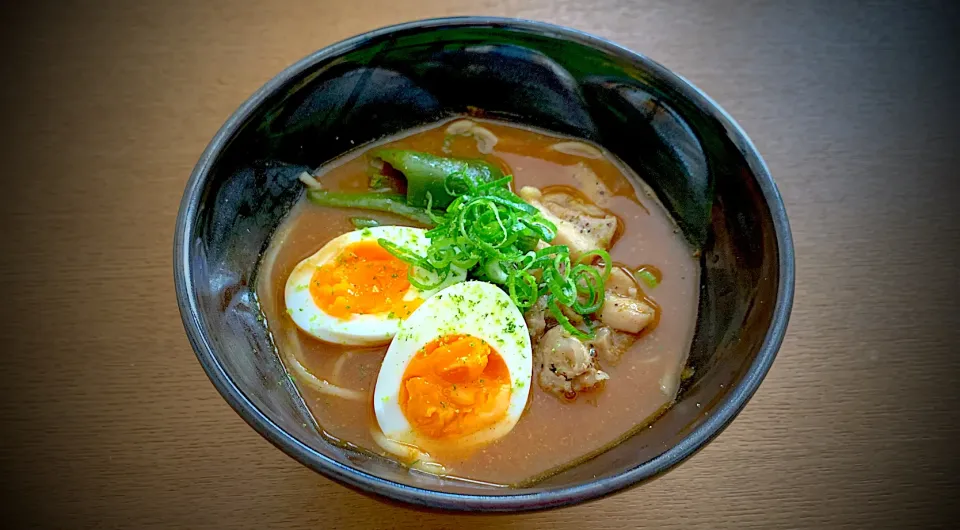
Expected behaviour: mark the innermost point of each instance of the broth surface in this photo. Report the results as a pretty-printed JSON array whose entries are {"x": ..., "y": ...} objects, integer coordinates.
[{"x": 552, "y": 432}]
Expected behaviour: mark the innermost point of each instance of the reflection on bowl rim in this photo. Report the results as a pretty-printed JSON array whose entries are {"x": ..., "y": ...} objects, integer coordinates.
[{"x": 733, "y": 402}]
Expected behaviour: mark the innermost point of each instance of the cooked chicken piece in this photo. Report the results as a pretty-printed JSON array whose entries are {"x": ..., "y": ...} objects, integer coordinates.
[
  {"x": 610, "y": 345},
  {"x": 592, "y": 186},
  {"x": 620, "y": 282},
  {"x": 539, "y": 318},
  {"x": 594, "y": 223},
  {"x": 589, "y": 380},
  {"x": 564, "y": 365},
  {"x": 625, "y": 314},
  {"x": 536, "y": 318},
  {"x": 581, "y": 227},
  {"x": 621, "y": 298},
  {"x": 623, "y": 308}
]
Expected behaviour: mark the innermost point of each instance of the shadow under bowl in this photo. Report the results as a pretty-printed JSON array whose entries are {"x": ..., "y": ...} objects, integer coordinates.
[{"x": 702, "y": 166}]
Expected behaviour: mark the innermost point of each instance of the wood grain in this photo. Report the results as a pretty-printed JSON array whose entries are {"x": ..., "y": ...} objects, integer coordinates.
[{"x": 110, "y": 422}]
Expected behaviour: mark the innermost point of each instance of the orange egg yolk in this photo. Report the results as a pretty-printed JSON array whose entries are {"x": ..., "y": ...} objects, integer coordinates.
[
  {"x": 455, "y": 386},
  {"x": 364, "y": 279}
]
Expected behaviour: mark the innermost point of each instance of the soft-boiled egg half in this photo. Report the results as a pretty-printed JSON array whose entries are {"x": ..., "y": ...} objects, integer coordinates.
[
  {"x": 352, "y": 291},
  {"x": 456, "y": 376}
]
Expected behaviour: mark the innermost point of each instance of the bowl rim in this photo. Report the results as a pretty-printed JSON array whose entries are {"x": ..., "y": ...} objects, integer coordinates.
[{"x": 724, "y": 413}]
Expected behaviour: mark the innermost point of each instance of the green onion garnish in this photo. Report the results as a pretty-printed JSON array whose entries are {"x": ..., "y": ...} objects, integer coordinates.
[
  {"x": 493, "y": 234},
  {"x": 648, "y": 278},
  {"x": 364, "y": 222}
]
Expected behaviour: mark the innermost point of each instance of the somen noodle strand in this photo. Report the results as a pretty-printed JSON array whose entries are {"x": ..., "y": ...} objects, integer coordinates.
[{"x": 301, "y": 373}]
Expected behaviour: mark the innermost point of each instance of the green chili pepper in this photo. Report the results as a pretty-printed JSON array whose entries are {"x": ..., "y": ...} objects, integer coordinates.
[
  {"x": 381, "y": 202},
  {"x": 427, "y": 174}
]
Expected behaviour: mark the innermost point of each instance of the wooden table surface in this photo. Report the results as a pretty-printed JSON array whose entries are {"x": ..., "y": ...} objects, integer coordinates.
[{"x": 109, "y": 420}]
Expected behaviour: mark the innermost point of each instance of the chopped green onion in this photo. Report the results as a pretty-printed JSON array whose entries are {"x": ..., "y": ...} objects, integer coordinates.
[
  {"x": 648, "y": 278},
  {"x": 565, "y": 322},
  {"x": 592, "y": 283},
  {"x": 425, "y": 284},
  {"x": 587, "y": 257},
  {"x": 364, "y": 222},
  {"x": 523, "y": 289},
  {"x": 377, "y": 181},
  {"x": 492, "y": 234}
]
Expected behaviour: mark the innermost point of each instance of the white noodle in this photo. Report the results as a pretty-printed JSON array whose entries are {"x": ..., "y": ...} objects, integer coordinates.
[
  {"x": 413, "y": 457},
  {"x": 484, "y": 137},
  {"x": 303, "y": 375},
  {"x": 338, "y": 365},
  {"x": 434, "y": 468},
  {"x": 460, "y": 128},
  {"x": 669, "y": 383},
  {"x": 394, "y": 447},
  {"x": 310, "y": 181},
  {"x": 268, "y": 263},
  {"x": 577, "y": 149}
]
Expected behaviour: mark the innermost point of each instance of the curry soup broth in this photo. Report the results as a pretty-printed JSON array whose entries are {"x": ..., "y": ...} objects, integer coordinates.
[{"x": 552, "y": 432}]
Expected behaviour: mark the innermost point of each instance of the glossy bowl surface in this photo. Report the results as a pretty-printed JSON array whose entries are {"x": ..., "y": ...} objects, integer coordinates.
[{"x": 699, "y": 162}]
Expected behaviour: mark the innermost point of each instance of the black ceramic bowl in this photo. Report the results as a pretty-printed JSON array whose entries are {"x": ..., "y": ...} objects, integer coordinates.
[{"x": 699, "y": 162}]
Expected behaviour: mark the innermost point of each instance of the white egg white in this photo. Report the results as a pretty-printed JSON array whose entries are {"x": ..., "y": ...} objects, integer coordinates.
[
  {"x": 475, "y": 308},
  {"x": 362, "y": 330}
]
